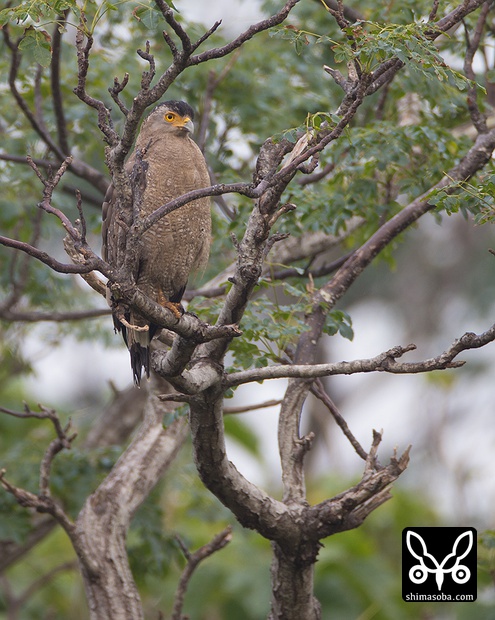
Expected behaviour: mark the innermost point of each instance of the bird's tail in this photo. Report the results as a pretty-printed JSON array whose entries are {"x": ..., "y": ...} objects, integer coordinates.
[
  {"x": 137, "y": 335},
  {"x": 138, "y": 343}
]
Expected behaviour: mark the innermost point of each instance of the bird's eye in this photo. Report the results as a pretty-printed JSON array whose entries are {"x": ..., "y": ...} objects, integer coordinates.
[{"x": 169, "y": 117}]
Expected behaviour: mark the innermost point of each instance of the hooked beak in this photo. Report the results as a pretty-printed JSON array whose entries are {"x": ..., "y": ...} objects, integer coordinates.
[{"x": 187, "y": 124}]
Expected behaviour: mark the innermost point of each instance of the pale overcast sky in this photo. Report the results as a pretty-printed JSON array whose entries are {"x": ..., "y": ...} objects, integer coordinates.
[{"x": 236, "y": 15}]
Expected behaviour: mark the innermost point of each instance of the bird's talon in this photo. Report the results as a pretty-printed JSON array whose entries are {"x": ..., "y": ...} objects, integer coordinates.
[{"x": 176, "y": 309}]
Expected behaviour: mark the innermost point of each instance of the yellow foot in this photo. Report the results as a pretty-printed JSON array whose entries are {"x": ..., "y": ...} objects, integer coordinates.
[{"x": 176, "y": 308}]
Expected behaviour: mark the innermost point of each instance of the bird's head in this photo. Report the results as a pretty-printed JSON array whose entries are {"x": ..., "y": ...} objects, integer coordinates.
[{"x": 172, "y": 117}]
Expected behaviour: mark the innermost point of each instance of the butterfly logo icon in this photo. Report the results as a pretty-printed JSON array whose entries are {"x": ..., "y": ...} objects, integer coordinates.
[{"x": 429, "y": 564}]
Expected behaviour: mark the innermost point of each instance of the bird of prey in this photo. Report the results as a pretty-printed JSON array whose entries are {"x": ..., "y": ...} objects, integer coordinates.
[{"x": 178, "y": 243}]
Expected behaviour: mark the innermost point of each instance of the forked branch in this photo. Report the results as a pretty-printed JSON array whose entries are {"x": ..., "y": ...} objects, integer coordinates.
[
  {"x": 43, "y": 502},
  {"x": 193, "y": 560}
]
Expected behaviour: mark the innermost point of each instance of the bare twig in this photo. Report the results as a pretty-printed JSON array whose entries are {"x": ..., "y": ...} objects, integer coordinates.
[
  {"x": 337, "y": 12},
  {"x": 254, "y": 407},
  {"x": 37, "y": 502},
  {"x": 349, "y": 509},
  {"x": 83, "y": 49},
  {"x": 206, "y": 35},
  {"x": 50, "y": 184},
  {"x": 147, "y": 76},
  {"x": 478, "y": 118},
  {"x": 265, "y": 24},
  {"x": 46, "y": 258},
  {"x": 62, "y": 442},
  {"x": 21, "y": 102},
  {"x": 317, "y": 176},
  {"x": 27, "y": 316},
  {"x": 21, "y": 159},
  {"x": 115, "y": 91},
  {"x": 350, "y": 13},
  {"x": 57, "y": 98},
  {"x": 434, "y": 9},
  {"x": 168, "y": 14},
  {"x": 193, "y": 560},
  {"x": 319, "y": 391},
  {"x": 171, "y": 44},
  {"x": 324, "y": 270}
]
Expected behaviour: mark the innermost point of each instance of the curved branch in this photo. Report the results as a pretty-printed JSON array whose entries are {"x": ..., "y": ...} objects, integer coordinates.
[
  {"x": 46, "y": 258},
  {"x": 454, "y": 17},
  {"x": 104, "y": 119},
  {"x": 319, "y": 391},
  {"x": 475, "y": 159},
  {"x": 26, "y": 316},
  {"x": 252, "y": 507},
  {"x": 265, "y": 24},
  {"x": 168, "y": 15},
  {"x": 245, "y": 189},
  {"x": 193, "y": 560},
  {"x": 384, "y": 362},
  {"x": 349, "y": 509}
]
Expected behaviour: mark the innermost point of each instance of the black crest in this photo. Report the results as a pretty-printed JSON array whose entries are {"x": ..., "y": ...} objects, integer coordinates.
[{"x": 180, "y": 107}]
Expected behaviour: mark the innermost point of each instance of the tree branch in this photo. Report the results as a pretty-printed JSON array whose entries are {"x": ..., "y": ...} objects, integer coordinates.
[
  {"x": 477, "y": 156},
  {"x": 168, "y": 15},
  {"x": 55, "y": 83},
  {"x": 62, "y": 442},
  {"x": 384, "y": 362},
  {"x": 479, "y": 119},
  {"x": 46, "y": 259},
  {"x": 265, "y": 24},
  {"x": 319, "y": 391},
  {"x": 83, "y": 49},
  {"x": 252, "y": 507},
  {"x": 193, "y": 560},
  {"x": 349, "y": 509},
  {"x": 254, "y": 407},
  {"x": 21, "y": 102},
  {"x": 102, "y": 524}
]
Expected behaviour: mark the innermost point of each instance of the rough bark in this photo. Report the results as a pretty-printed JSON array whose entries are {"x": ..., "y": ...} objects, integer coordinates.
[
  {"x": 292, "y": 589},
  {"x": 101, "y": 528}
]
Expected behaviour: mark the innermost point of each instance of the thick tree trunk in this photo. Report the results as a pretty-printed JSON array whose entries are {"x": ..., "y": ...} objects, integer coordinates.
[
  {"x": 111, "y": 592},
  {"x": 100, "y": 532},
  {"x": 292, "y": 589}
]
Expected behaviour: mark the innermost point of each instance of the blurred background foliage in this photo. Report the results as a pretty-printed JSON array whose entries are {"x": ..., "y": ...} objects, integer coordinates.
[{"x": 437, "y": 278}]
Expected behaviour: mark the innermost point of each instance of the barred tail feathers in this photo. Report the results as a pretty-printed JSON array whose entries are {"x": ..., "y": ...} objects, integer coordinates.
[{"x": 138, "y": 343}]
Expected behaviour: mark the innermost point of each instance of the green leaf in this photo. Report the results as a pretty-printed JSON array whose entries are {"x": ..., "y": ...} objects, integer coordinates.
[
  {"x": 36, "y": 46},
  {"x": 339, "y": 322},
  {"x": 149, "y": 16}
]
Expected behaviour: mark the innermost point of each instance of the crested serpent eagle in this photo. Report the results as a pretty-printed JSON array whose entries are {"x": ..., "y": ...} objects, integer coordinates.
[{"x": 178, "y": 243}]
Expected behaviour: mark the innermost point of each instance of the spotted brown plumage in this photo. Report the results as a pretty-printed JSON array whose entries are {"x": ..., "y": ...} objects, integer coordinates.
[{"x": 177, "y": 244}]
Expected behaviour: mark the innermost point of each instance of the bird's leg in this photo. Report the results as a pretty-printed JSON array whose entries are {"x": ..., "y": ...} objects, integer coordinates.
[
  {"x": 136, "y": 328},
  {"x": 176, "y": 308}
]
